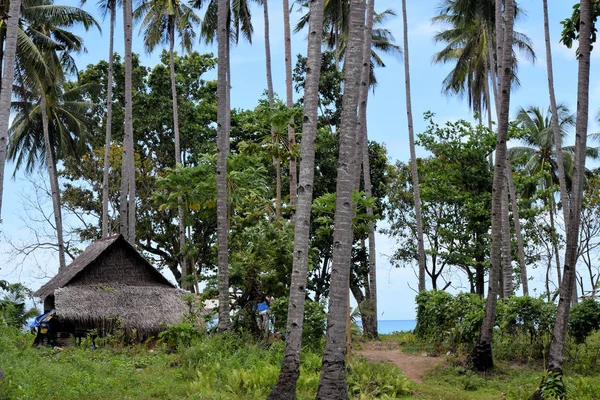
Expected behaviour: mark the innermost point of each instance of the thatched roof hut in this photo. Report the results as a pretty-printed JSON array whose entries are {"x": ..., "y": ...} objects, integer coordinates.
[{"x": 109, "y": 283}]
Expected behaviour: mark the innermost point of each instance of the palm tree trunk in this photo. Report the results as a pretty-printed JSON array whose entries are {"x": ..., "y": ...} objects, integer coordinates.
[
  {"x": 332, "y": 384},
  {"x": 185, "y": 270},
  {"x": 482, "y": 354},
  {"x": 222, "y": 153},
  {"x": 276, "y": 159},
  {"x": 363, "y": 153},
  {"x": 289, "y": 100},
  {"x": 507, "y": 286},
  {"x": 556, "y": 351},
  {"x": 128, "y": 165},
  {"x": 555, "y": 244},
  {"x": 560, "y": 162},
  {"x": 413, "y": 157},
  {"x": 285, "y": 389},
  {"x": 517, "y": 225},
  {"x": 50, "y": 161},
  {"x": 8, "y": 74},
  {"x": 105, "y": 174}
]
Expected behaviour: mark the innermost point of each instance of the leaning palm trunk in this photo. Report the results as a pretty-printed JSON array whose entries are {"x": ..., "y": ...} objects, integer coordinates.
[
  {"x": 556, "y": 351},
  {"x": 555, "y": 243},
  {"x": 517, "y": 225},
  {"x": 482, "y": 354},
  {"x": 8, "y": 74},
  {"x": 289, "y": 101},
  {"x": 560, "y": 163},
  {"x": 52, "y": 175},
  {"x": 332, "y": 384},
  {"x": 222, "y": 152},
  {"x": 507, "y": 287},
  {"x": 105, "y": 172},
  {"x": 413, "y": 157},
  {"x": 285, "y": 389},
  {"x": 185, "y": 268},
  {"x": 370, "y": 330}
]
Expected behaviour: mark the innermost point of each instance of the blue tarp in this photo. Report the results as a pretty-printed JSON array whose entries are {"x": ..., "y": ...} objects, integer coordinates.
[{"x": 41, "y": 318}]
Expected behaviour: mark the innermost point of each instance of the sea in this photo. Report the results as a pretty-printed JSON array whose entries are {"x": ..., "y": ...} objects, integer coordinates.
[{"x": 397, "y": 325}]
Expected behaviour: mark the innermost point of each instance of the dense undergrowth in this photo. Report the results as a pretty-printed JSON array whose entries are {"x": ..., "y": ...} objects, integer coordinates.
[{"x": 210, "y": 367}]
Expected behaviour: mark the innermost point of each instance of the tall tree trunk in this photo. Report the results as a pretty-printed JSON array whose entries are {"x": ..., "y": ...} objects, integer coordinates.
[
  {"x": 185, "y": 268},
  {"x": 106, "y": 171},
  {"x": 363, "y": 153},
  {"x": 285, "y": 389},
  {"x": 53, "y": 176},
  {"x": 369, "y": 321},
  {"x": 289, "y": 100},
  {"x": 8, "y": 74},
  {"x": 517, "y": 225},
  {"x": 222, "y": 153},
  {"x": 555, "y": 244},
  {"x": 556, "y": 351},
  {"x": 413, "y": 156},
  {"x": 270, "y": 94},
  {"x": 332, "y": 384},
  {"x": 482, "y": 354},
  {"x": 560, "y": 162},
  {"x": 507, "y": 286},
  {"x": 127, "y": 222}
]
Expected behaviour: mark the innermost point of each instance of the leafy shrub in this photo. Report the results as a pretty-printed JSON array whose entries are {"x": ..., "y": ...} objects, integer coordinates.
[
  {"x": 313, "y": 329},
  {"x": 584, "y": 319},
  {"x": 526, "y": 315},
  {"x": 180, "y": 335}
]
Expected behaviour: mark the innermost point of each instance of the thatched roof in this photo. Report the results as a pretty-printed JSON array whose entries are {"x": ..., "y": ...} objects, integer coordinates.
[
  {"x": 143, "y": 308},
  {"x": 89, "y": 255}
]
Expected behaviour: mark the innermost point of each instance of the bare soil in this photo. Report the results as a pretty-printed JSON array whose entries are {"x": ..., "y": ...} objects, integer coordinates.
[{"x": 413, "y": 366}]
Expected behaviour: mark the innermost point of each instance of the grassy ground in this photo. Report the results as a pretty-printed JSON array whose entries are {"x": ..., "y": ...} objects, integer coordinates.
[{"x": 229, "y": 367}]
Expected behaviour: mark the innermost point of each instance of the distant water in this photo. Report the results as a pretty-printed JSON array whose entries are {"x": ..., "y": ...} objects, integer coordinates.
[{"x": 398, "y": 325}]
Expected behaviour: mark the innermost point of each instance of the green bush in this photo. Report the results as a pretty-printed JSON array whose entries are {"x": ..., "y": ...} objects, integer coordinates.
[
  {"x": 180, "y": 335},
  {"x": 313, "y": 329},
  {"x": 584, "y": 319},
  {"x": 367, "y": 380}
]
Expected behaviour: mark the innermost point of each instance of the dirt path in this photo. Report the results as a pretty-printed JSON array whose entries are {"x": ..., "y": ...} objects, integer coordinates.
[{"x": 413, "y": 366}]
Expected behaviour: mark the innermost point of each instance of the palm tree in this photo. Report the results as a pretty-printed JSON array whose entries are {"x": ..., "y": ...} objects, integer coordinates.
[
  {"x": 160, "y": 21},
  {"x": 482, "y": 353},
  {"x": 285, "y": 389},
  {"x": 363, "y": 154},
  {"x": 469, "y": 38},
  {"x": 8, "y": 73},
  {"x": 413, "y": 157},
  {"x": 332, "y": 384},
  {"x": 127, "y": 201},
  {"x": 289, "y": 100},
  {"x": 110, "y": 7},
  {"x": 557, "y": 345}
]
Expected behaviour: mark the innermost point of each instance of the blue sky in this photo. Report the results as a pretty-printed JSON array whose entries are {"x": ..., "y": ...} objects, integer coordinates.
[{"x": 387, "y": 112}]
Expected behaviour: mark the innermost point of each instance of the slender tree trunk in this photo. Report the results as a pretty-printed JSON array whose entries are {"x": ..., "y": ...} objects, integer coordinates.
[
  {"x": 482, "y": 354},
  {"x": 2, "y": 41},
  {"x": 128, "y": 166},
  {"x": 185, "y": 269},
  {"x": 222, "y": 153},
  {"x": 517, "y": 225},
  {"x": 369, "y": 322},
  {"x": 556, "y": 351},
  {"x": 50, "y": 161},
  {"x": 560, "y": 162},
  {"x": 555, "y": 244},
  {"x": 413, "y": 156},
  {"x": 363, "y": 153},
  {"x": 8, "y": 74},
  {"x": 106, "y": 171},
  {"x": 332, "y": 384},
  {"x": 285, "y": 389},
  {"x": 507, "y": 286},
  {"x": 289, "y": 100}
]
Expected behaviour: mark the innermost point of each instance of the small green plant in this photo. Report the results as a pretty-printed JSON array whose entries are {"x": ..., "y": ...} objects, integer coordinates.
[
  {"x": 368, "y": 380},
  {"x": 553, "y": 386},
  {"x": 179, "y": 335}
]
